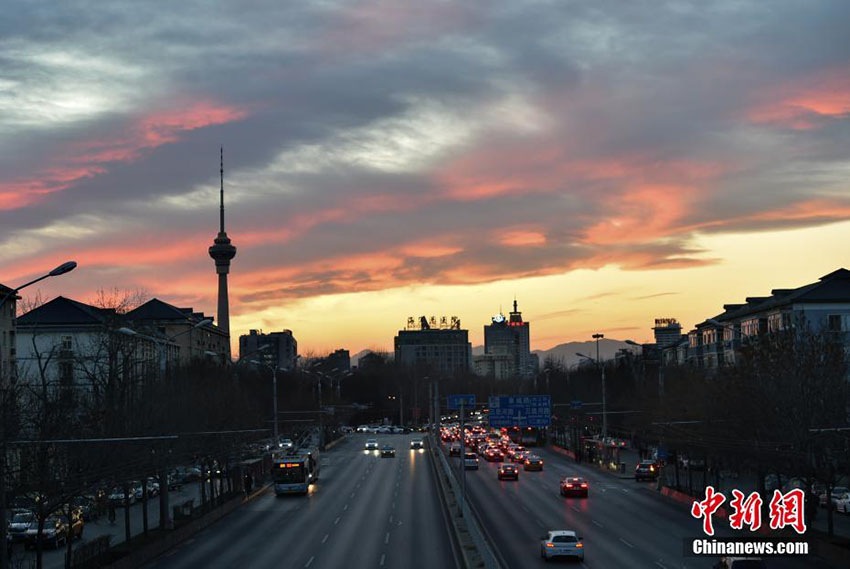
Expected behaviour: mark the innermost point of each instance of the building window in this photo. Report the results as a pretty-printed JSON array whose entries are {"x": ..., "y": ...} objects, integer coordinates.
[
  {"x": 66, "y": 342},
  {"x": 833, "y": 323}
]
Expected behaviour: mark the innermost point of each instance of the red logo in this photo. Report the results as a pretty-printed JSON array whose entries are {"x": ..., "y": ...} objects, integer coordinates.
[
  {"x": 706, "y": 508},
  {"x": 746, "y": 511},
  {"x": 787, "y": 510}
]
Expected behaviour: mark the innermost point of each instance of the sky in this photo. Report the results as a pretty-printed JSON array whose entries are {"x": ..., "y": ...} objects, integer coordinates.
[{"x": 605, "y": 163}]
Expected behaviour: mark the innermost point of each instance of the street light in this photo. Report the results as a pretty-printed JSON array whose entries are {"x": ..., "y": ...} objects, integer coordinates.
[
  {"x": 60, "y": 270},
  {"x": 602, "y": 370},
  {"x": 274, "y": 395}
]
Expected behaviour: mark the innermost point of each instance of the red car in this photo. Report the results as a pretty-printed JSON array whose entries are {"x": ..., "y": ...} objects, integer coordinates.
[
  {"x": 508, "y": 472},
  {"x": 574, "y": 487}
]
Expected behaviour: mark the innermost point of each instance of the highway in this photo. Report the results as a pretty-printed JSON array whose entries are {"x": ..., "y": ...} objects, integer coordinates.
[
  {"x": 624, "y": 523},
  {"x": 365, "y": 511}
]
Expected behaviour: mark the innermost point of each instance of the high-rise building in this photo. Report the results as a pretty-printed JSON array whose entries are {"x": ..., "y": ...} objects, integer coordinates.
[
  {"x": 275, "y": 348},
  {"x": 222, "y": 251},
  {"x": 511, "y": 337},
  {"x": 667, "y": 331},
  {"x": 440, "y": 350},
  {"x": 8, "y": 307}
]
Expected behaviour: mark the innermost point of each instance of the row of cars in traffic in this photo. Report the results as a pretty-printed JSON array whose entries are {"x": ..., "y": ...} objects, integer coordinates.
[
  {"x": 498, "y": 447},
  {"x": 387, "y": 450}
]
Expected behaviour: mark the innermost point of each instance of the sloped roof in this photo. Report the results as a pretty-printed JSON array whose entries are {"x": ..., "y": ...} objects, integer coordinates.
[
  {"x": 63, "y": 310},
  {"x": 834, "y": 287},
  {"x": 155, "y": 309}
]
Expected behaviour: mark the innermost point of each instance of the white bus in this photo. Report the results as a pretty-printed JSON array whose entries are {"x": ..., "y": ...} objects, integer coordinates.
[{"x": 294, "y": 473}]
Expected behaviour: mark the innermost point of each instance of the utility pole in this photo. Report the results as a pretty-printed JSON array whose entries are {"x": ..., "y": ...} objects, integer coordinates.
[{"x": 400, "y": 409}]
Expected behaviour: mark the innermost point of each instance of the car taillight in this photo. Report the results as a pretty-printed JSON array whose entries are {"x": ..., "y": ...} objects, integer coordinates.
[
  {"x": 652, "y": 469},
  {"x": 550, "y": 544},
  {"x": 584, "y": 485},
  {"x": 579, "y": 545},
  {"x": 569, "y": 485}
]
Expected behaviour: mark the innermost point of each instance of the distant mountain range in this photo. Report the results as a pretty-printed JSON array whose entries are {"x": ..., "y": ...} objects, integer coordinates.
[{"x": 566, "y": 353}]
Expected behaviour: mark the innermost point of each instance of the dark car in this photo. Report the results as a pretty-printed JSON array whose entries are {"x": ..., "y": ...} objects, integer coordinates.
[
  {"x": 509, "y": 471},
  {"x": 387, "y": 452},
  {"x": 574, "y": 486},
  {"x": 494, "y": 455},
  {"x": 646, "y": 470},
  {"x": 533, "y": 462}
]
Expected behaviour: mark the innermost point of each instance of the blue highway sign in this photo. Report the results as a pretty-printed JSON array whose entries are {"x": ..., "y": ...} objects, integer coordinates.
[
  {"x": 453, "y": 401},
  {"x": 520, "y": 411}
]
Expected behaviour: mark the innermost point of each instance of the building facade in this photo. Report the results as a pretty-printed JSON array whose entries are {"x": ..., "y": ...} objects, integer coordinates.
[
  {"x": 509, "y": 337},
  {"x": 443, "y": 350},
  {"x": 183, "y": 326},
  {"x": 75, "y": 347},
  {"x": 282, "y": 350},
  {"x": 819, "y": 306}
]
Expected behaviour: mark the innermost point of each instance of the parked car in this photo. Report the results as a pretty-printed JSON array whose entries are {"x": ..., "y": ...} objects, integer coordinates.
[
  {"x": 153, "y": 487},
  {"x": 116, "y": 496},
  {"x": 841, "y": 501},
  {"x": 55, "y": 533},
  {"x": 19, "y": 524}
]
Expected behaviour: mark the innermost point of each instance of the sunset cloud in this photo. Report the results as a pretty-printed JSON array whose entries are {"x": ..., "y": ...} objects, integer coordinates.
[{"x": 375, "y": 147}]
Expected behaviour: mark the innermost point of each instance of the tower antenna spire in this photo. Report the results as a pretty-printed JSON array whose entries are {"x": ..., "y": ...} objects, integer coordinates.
[{"x": 221, "y": 173}]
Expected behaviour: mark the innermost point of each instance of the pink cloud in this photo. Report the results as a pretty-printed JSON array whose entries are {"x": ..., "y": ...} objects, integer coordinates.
[{"x": 86, "y": 159}]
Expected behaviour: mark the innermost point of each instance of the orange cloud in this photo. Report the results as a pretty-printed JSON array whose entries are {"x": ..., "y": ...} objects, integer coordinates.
[
  {"x": 806, "y": 103},
  {"x": 642, "y": 213},
  {"x": 522, "y": 238}
]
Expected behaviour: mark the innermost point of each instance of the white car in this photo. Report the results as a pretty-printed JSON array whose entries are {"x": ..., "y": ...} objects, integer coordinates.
[
  {"x": 417, "y": 444},
  {"x": 742, "y": 562},
  {"x": 286, "y": 444},
  {"x": 841, "y": 502},
  {"x": 371, "y": 444},
  {"x": 561, "y": 543}
]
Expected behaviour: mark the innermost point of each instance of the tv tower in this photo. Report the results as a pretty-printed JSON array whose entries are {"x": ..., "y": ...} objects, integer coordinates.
[{"x": 222, "y": 251}]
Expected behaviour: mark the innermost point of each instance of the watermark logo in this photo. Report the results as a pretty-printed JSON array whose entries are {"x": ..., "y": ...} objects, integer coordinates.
[{"x": 785, "y": 510}]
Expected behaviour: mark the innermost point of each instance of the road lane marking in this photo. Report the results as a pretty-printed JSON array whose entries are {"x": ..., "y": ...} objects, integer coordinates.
[
  {"x": 597, "y": 523},
  {"x": 391, "y": 519},
  {"x": 324, "y": 539},
  {"x": 345, "y": 507},
  {"x": 399, "y": 522},
  {"x": 627, "y": 543},
  {"x": 526, "y": 509},
  {"x": 574, "y": 508},
  {"x": 393, "y": 503},
  {"x": 309, "y": 562},
  {"x": 539, "y": 523},
  {"x": 383, "y": 557},
  {"x": 336, "y": 521},
  {"x": 352, "y": 495},
  {"x": 387, "y": 538},
  {"x": 660, "y": 565}
]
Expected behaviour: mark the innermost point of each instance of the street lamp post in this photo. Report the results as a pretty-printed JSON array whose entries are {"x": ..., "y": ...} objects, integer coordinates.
[
  {"x": 598, "y": 337},
  {"x": 604, "y": 400},
  {"x": 60, "y": 270},
  {"x": 162, "y": 343},
  {"x": 274, "y": 397}
]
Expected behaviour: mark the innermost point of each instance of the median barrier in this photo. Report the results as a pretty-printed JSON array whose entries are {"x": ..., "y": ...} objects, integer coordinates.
[{"x": 475, "y": 543}]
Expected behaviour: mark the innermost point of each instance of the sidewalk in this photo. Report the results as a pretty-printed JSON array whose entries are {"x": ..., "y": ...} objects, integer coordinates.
[{"x": 624, "y": 468}]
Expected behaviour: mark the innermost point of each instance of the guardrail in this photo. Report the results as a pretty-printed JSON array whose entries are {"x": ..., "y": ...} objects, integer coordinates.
[{"x": 477, "y": 532}]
